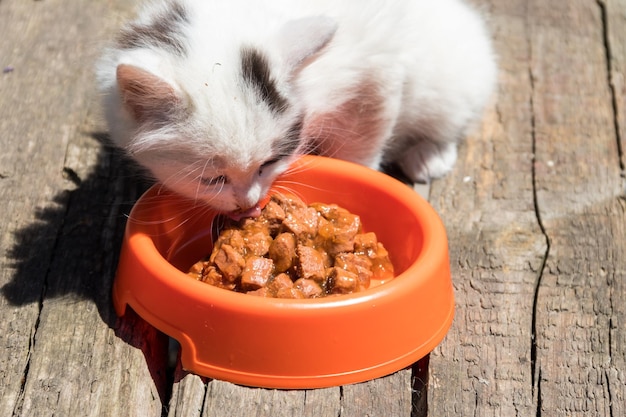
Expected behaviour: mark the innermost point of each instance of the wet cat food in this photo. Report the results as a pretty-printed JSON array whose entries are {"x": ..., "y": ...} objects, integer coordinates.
[{"x": 294, "y": 250}]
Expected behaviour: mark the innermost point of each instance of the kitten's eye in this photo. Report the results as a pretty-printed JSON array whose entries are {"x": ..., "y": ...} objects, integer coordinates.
[
  {"x": 218, "y": 180},
  {"x": 267, "y": 164}
]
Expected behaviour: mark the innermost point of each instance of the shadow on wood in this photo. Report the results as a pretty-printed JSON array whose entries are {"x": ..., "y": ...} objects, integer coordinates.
[{"x": 69, "y": 253}]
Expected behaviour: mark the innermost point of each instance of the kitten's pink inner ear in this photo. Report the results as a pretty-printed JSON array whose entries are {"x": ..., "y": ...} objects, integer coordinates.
[
  {"x": 145, "y": 95},
  {"x": 300, "y": 39}
]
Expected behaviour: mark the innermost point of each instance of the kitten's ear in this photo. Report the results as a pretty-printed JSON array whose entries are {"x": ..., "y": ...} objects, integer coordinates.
[
  {"x": 299, "y": 39},
  {"x": 146, "y": 96}
]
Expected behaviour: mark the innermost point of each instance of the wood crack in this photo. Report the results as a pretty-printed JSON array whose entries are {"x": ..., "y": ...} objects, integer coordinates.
[
  {"x": 609, "y": 392},
  {"x": 539, "y": 401},
  {"x": 611, "y": 83},
  {"x": 535, "y": 368},
  {"x": 341, "y": 400},
  {"x": 40, "y": 304},
  {"x": 618, "y": 138}
]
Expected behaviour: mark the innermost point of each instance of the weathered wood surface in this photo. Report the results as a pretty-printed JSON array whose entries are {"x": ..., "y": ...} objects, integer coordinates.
[
  {"x": 535, "y": 211},
  {"x": 63, "y": 351},
  {"x": 537, "y": 231}
]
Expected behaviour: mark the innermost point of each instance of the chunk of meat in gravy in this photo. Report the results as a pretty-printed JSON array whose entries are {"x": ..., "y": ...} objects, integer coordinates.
[
  {"x": 230, "y": 237},
  {"x": 289, "y": 293},
  {"x": 302, "y": 222},
  {"x": 282, "y": 287},
  {"x": 311, "y": 264},
  {"x": 288, "y": 202},
  {"x": 309, "y": 287},
  {"x": 280, "y": 281},
  {"x": 207, "y": 273},
  {"x": 360, "y": 265},
  {"x": 338, "y": 228},
  {"x": 212, "y": 276},
  {"x": 229, "y": 262},
  {"x": 274, "y": 214},
  {"x": 382, "y": 268},
  {"x": 343, "y": 282},
  {"x": 258, "y": 243},
  {"x": 283, "y": 252},
  {"x": 366, "y": 244},
  {"x": 257, "y": 273},
  {"x": 255, "y": 237}
]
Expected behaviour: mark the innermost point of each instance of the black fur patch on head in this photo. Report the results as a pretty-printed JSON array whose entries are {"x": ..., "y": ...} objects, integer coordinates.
[
  {"x": 256, "y": 73},
  {"x": 164, "y": 31},
  {"x": 288, "y": 144}
]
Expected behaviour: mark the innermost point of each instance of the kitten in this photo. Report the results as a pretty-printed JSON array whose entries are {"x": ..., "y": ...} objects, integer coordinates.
[{"x": 217, "y": 97}]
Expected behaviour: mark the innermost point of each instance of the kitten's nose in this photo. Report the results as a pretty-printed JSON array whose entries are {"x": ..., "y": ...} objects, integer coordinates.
[{"x": 247, "y": 200}]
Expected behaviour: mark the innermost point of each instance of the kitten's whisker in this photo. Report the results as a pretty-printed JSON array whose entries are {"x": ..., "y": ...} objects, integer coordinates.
[
  {"x": 286, "y": 190},
  {"x": 180, "y": 175},
  {"x": 298, "y": 166},
  {"x": 201, "y": 177},
  {"x": 286, "y": 184}
]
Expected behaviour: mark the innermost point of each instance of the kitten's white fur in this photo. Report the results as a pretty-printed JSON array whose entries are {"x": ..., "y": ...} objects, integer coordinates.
[{"x": 376, "y": 81}]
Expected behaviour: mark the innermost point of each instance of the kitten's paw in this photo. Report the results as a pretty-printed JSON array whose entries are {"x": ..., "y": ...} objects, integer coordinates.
[{"x": 427, "y": 160}]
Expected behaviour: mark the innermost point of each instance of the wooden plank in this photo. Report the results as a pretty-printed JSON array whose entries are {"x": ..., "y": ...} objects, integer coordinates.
[
  {"x": 614, "y": 16},
  {"x": 400, "y": 394},
  {"x": 188, "y": 392},
  {"x": 574, "y": 365},
  {"x": 224, "y": 398},
  {"x": 65, "y": 353},
  {"x": 581, "y": 202},
  {"x": 484, "y": 366},
  {"x": 388, "y": 396},
  {"x": 25, "y": 194},
  {"x": 193, "y": 396}
]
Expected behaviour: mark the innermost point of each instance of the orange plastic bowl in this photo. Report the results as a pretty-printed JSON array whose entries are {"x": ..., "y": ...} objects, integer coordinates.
[{"x": 279, "y": 343}]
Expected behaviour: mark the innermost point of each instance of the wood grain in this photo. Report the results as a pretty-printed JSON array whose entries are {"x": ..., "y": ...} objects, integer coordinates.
[
  {"x": 64, "y": 352},
  {"x": 580, "y": 200},
  {"x": 535, "y": 234}
]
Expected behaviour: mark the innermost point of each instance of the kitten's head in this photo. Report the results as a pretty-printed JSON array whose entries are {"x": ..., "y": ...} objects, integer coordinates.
[{"x": 217, "y": 129}]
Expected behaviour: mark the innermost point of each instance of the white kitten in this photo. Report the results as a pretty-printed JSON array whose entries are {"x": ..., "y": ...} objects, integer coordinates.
[{"x": 216, "y": 97}]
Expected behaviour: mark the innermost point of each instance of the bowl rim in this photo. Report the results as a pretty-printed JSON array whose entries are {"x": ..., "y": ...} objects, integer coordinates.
[{"x": 433, "y": 234}]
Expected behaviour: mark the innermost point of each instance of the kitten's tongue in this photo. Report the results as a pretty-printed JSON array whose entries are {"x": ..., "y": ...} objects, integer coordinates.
[{"x": 251, "y": 212}]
